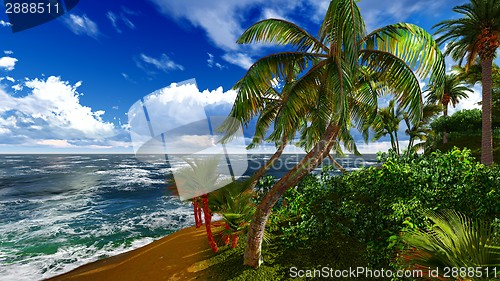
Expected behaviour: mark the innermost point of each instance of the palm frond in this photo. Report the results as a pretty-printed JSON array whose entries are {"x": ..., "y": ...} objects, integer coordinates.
[
  {"x": 398, "y": 77},
  {"x": 281, "y": 32},
  {"x": 413, "y": 45},
  {"x": 453, "y": 241}
]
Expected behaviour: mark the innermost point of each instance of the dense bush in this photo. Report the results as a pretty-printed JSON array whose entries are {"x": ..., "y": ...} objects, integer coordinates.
[
  {"x": 373, "y": 205},
  {"x": 461, "y": 121}
]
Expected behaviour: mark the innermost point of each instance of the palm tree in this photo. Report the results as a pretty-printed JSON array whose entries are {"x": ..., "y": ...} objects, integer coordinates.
[
  {"x": 271, "y": 104},
  {"x": 342, "y": 73},
  {"x": 476, "y": 34},
  {"x": 473, "y": 76},
  {"x": 200, "y": 175},
  {"x": 421, "y": 130},
  {"x": 387, "y": 123},
  {"x": 452, "y": 91},
  {"x": 454, "y": 241}
]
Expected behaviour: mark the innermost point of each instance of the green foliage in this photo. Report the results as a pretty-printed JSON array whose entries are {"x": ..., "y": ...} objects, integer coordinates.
[
  {"x": 234, "y": 203},
  {"x": 453, "y": 241},
  {"x": 387, "y": 122},
  {"x": 293, "y": 219},
  {"x": 374, "y": 205},
  {"x": 464, "y": 130},
  {"x": 464, "y": 121},
  {"x": 451, "y": 92},
  {"x": 263, "y": 186}
]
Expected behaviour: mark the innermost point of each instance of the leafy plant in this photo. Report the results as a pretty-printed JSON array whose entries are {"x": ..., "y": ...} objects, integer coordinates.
[
  {"x": 234, "y": 203},
  {"x": 455, "y": 246},
  {"x": 342, "y": 72},
  {"x": 372, "y": 205}
]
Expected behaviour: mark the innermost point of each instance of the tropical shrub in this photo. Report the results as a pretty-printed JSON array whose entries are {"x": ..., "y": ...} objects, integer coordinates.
[
  {"x": 453, "y": 247},
  {"x": 375, "y": 204},
  {"x": 464, "y": 121}
]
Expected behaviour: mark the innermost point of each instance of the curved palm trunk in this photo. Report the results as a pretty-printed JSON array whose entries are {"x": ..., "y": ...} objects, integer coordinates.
[
  {"x": 262, "y": 171},
  {"x": 342, "y": 169},
  {"x": 393, "y": 143},
  {"x": 486, "y": 136},
  {"x": 312, "y": 159},
  {"x": 409, "y": 148},
  {"x": 208, "y": 225},
  {"x": 397, "y": 142}
]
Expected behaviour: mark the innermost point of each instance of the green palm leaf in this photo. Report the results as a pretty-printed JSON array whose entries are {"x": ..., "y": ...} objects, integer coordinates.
[
  {"x": 413, "y": 45},
  {"x": 453, "y": 241},
  {"x": 398, "y": 78},
  {"x": 281, "y": 32}
]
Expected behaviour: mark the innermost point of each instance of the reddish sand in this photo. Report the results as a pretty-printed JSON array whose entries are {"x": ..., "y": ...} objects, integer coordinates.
[{"x": 182, "y": 255}]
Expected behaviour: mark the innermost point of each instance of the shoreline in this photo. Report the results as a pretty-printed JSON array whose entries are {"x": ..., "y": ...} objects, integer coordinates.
[{"x": 177, "y": 256}]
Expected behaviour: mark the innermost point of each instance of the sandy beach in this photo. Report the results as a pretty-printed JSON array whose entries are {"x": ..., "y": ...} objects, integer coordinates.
[{"x": 182, "y": 255}]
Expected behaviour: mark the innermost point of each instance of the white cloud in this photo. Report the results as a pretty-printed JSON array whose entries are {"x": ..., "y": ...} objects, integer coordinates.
[
  {"x": 127, "y": 21},
  {"x": 211, "y": 62},
  {"x": 8, "y": 63},
  {"x": 8, "y": 52},
  {"x": 51, "y": 111},
  {"x": 17, "y": 87},
  {"x": 10, "y": 79},
  {"x": 82, "y": 25},
  {"x": 176, "y": 109},
  {"x": 163, "y": 63},
  {"x": 380, "y": 13},
  {"x": 270, "y": 13},
  {"x": 127, "y": 77},
  {"x": 55, "y": 143},
  {"x": 117, "y": 18},
  {"x": 320, "y": 7},
  {"x": 223, "y": 20},
  {"x": 5, "y": 23},
  {"x": 113, "y": 18},
  {"x": 240, "y": 59},
  {"x": 218, "y": 18}
]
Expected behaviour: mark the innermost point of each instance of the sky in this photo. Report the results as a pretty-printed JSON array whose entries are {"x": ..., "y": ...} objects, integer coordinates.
[{"x": 66, "y": 86}]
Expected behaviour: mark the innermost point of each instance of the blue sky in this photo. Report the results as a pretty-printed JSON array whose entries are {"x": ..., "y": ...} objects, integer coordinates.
[{"x": 67, "y": 85}]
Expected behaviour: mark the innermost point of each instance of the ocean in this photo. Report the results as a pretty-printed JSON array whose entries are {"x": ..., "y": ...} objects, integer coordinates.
[{"x": 58, "y": 212}]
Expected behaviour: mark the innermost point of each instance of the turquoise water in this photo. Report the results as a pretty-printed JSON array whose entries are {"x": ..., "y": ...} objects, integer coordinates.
[{"x": 58, "y": 212}]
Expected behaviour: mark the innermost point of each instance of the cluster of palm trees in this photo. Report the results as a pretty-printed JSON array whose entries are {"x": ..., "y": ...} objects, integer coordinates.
[
  {"x": 476, "y": 35},
  {"x": 342, "y": 71},
  {"x": 328, "y": 84},
  {"x": 438, "y": 98}
]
